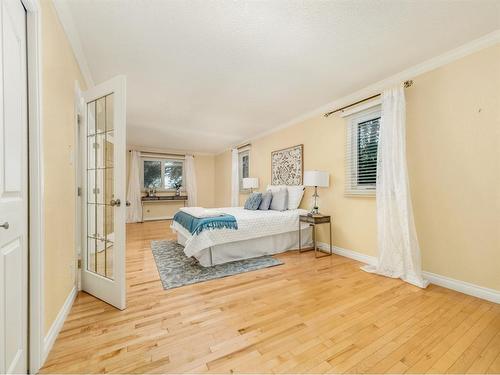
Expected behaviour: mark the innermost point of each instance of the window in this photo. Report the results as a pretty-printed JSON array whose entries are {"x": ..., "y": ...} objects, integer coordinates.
[
  {"x": 361, "y": 152},
  {"x": 163, "y": 174},
  {"x": 244, "y": 166}
]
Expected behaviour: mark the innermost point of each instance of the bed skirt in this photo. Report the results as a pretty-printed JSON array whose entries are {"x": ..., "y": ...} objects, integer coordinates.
[{"x": 252, "y": 248}]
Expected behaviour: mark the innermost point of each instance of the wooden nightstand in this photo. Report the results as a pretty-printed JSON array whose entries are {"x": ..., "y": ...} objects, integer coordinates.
[{"x": 313, "y": 221}]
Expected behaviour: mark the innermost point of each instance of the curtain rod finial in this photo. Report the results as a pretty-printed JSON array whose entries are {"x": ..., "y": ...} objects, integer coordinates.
[{"x": 408, "y": 83}]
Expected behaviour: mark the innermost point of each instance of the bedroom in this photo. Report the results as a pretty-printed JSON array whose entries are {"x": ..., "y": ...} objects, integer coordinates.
[{"x": 254, "y": 187}]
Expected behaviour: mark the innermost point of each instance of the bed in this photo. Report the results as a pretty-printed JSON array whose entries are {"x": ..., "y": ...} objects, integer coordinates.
[{"x": 259, "y": 233}]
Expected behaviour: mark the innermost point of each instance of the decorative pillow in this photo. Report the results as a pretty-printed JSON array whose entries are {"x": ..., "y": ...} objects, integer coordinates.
[
  {"x": 274, "y": 188},
  {"x": 280, "y": 200},
  {"x": 267, "y": 197},
  {"x": 295, "y": 194},
  {"x": 253, "y": 201}
]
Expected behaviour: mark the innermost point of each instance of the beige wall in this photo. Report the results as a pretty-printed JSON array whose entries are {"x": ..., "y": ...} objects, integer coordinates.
[
  {"x": 223, "y": 179},
  {"x": 454, "y": 162},
  {"x": 161, "y": 210},
  {"x": 453, "y": 159},
  {"x": 205, "y": 178},
  {"x": 59, "y": 73}
]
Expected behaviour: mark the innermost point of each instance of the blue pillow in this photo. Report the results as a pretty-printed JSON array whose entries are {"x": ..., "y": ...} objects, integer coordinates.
[
  {"x": 267, "y": 197},
  {"x": 253, "y": 201}
]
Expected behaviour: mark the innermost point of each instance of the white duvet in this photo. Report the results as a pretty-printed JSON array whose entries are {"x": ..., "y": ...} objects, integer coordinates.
[{"x": 251, "y": 224}]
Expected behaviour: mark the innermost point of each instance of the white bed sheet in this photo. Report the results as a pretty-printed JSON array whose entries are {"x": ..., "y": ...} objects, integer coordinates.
[{"x": 251, "y": 225}]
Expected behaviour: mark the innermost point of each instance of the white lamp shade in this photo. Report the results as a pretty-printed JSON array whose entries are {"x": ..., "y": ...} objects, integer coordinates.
[
  {"x": 250, "y": 183},
  {"x": 316, "y": 178}
]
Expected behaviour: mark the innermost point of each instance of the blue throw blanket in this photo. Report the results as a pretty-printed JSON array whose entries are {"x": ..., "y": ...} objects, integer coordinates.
[{"x": 196, "y": 225}]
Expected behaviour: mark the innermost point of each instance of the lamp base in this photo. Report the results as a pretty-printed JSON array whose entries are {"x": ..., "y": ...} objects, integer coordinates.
[
  {"x": 314, "y": 212},
  {"x": 315, "y": 209}
]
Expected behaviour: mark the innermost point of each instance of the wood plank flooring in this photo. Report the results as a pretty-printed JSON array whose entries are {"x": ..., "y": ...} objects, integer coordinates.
[{"x": 307, "y": 316}]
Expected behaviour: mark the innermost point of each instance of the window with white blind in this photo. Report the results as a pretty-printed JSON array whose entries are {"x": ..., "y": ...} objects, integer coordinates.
[{"x": 361, "y": 152}]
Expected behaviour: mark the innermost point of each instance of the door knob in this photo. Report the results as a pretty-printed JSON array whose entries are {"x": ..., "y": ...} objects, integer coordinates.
[
  {"x": 5, "y": 225},
  {"x": 115, "y": 202},
  {"x": 127, "y": 203}
]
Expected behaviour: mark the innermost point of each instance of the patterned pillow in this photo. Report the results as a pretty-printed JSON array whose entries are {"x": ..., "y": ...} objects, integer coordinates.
[
  {"x": 253, "y": 201},
  {"x": 280, "y": 200},
  {"x": 267, "y": 197}
]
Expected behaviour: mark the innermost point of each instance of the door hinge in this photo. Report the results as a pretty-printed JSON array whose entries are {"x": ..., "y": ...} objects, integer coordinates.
[
  {"x": 79, "y": 264},
  {"x": 78, "y": 119},
  {"x": 79, "y": 191}
]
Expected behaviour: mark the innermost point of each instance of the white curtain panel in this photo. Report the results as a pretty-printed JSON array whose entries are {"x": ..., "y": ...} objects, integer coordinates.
[
  {"x": 191, "y": 187},
  {"x": 134, "y": 211},
  {"x": 398, "y": 250},
  {"x": 235, "y": 179}
]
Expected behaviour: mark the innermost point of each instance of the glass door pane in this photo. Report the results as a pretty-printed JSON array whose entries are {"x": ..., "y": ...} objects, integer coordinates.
[{"x": 100, "y": 186}]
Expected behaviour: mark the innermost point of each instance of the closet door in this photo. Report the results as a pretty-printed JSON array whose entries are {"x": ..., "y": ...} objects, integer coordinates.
[
  {"x": 13, "y": 189},
  {"x": 103, "y": 266}
]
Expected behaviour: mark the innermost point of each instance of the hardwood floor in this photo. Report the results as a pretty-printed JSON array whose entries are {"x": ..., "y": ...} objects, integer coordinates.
[{"x": 306, "y": 316}]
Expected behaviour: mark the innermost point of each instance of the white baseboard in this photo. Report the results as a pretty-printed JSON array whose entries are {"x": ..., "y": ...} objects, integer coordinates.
[
  {"x": 158, "y": 218},
  {"x": 360, "y": 257},
  {"x": 463, "y": 287},
  {"x": 54, "y": 330},
  {"x": 444, "y": 281}
]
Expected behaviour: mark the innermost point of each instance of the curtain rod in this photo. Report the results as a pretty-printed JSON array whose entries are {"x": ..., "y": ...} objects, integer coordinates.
[
  {"x": 406, "y": 84},
  {"x": 244, "y": 145},
  {"x": 161, "y": 153}
]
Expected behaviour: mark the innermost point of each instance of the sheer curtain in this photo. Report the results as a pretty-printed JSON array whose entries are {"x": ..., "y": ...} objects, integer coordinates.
[
  {"x": 235, "y": 180},
  {"x": 134, "y": 213},
  {"x": 398, "y": 250},
  {"x": 191, "y": 187}
]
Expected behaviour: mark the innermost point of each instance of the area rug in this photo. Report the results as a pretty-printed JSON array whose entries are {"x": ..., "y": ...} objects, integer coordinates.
[{"x": 176, "y": 269}]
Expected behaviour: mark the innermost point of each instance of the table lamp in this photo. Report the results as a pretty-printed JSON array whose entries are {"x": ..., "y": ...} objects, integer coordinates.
[
  {"x": 250, "y": 183},
  {"x": 316, "y": 179}
]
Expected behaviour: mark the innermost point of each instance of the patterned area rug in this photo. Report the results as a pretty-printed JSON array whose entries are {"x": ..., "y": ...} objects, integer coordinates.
[{"x": 176, "y": 269}]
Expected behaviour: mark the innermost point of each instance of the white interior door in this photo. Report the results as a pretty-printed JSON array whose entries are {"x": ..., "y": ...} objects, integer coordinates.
[
  {"x": 103, "y": 269},
  {"x": 13, "y": 189}
]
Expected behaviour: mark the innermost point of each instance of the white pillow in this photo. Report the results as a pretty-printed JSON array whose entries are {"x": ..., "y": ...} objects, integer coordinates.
[
  {"x": 280, "y": 200},
  {"x": 295, "y": 194},
  {"x": 274, "y": 188}
]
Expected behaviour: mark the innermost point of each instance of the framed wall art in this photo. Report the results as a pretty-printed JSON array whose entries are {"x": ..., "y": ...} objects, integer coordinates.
[{"x": 287, "y": 166}]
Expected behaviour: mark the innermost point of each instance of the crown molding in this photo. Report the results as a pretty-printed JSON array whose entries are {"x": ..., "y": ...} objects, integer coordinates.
[
  {"x": 69, "y": 27},
  {"x": 475, "y": 45}
]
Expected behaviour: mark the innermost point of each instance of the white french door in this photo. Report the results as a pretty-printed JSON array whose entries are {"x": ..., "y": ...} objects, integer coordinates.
[
  {"x": 103, "y": 266},
  {"x": 13, "y": 189}
]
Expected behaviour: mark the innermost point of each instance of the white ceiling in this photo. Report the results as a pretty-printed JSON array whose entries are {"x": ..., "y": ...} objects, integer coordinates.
[{"x": 204, "y": 75}]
